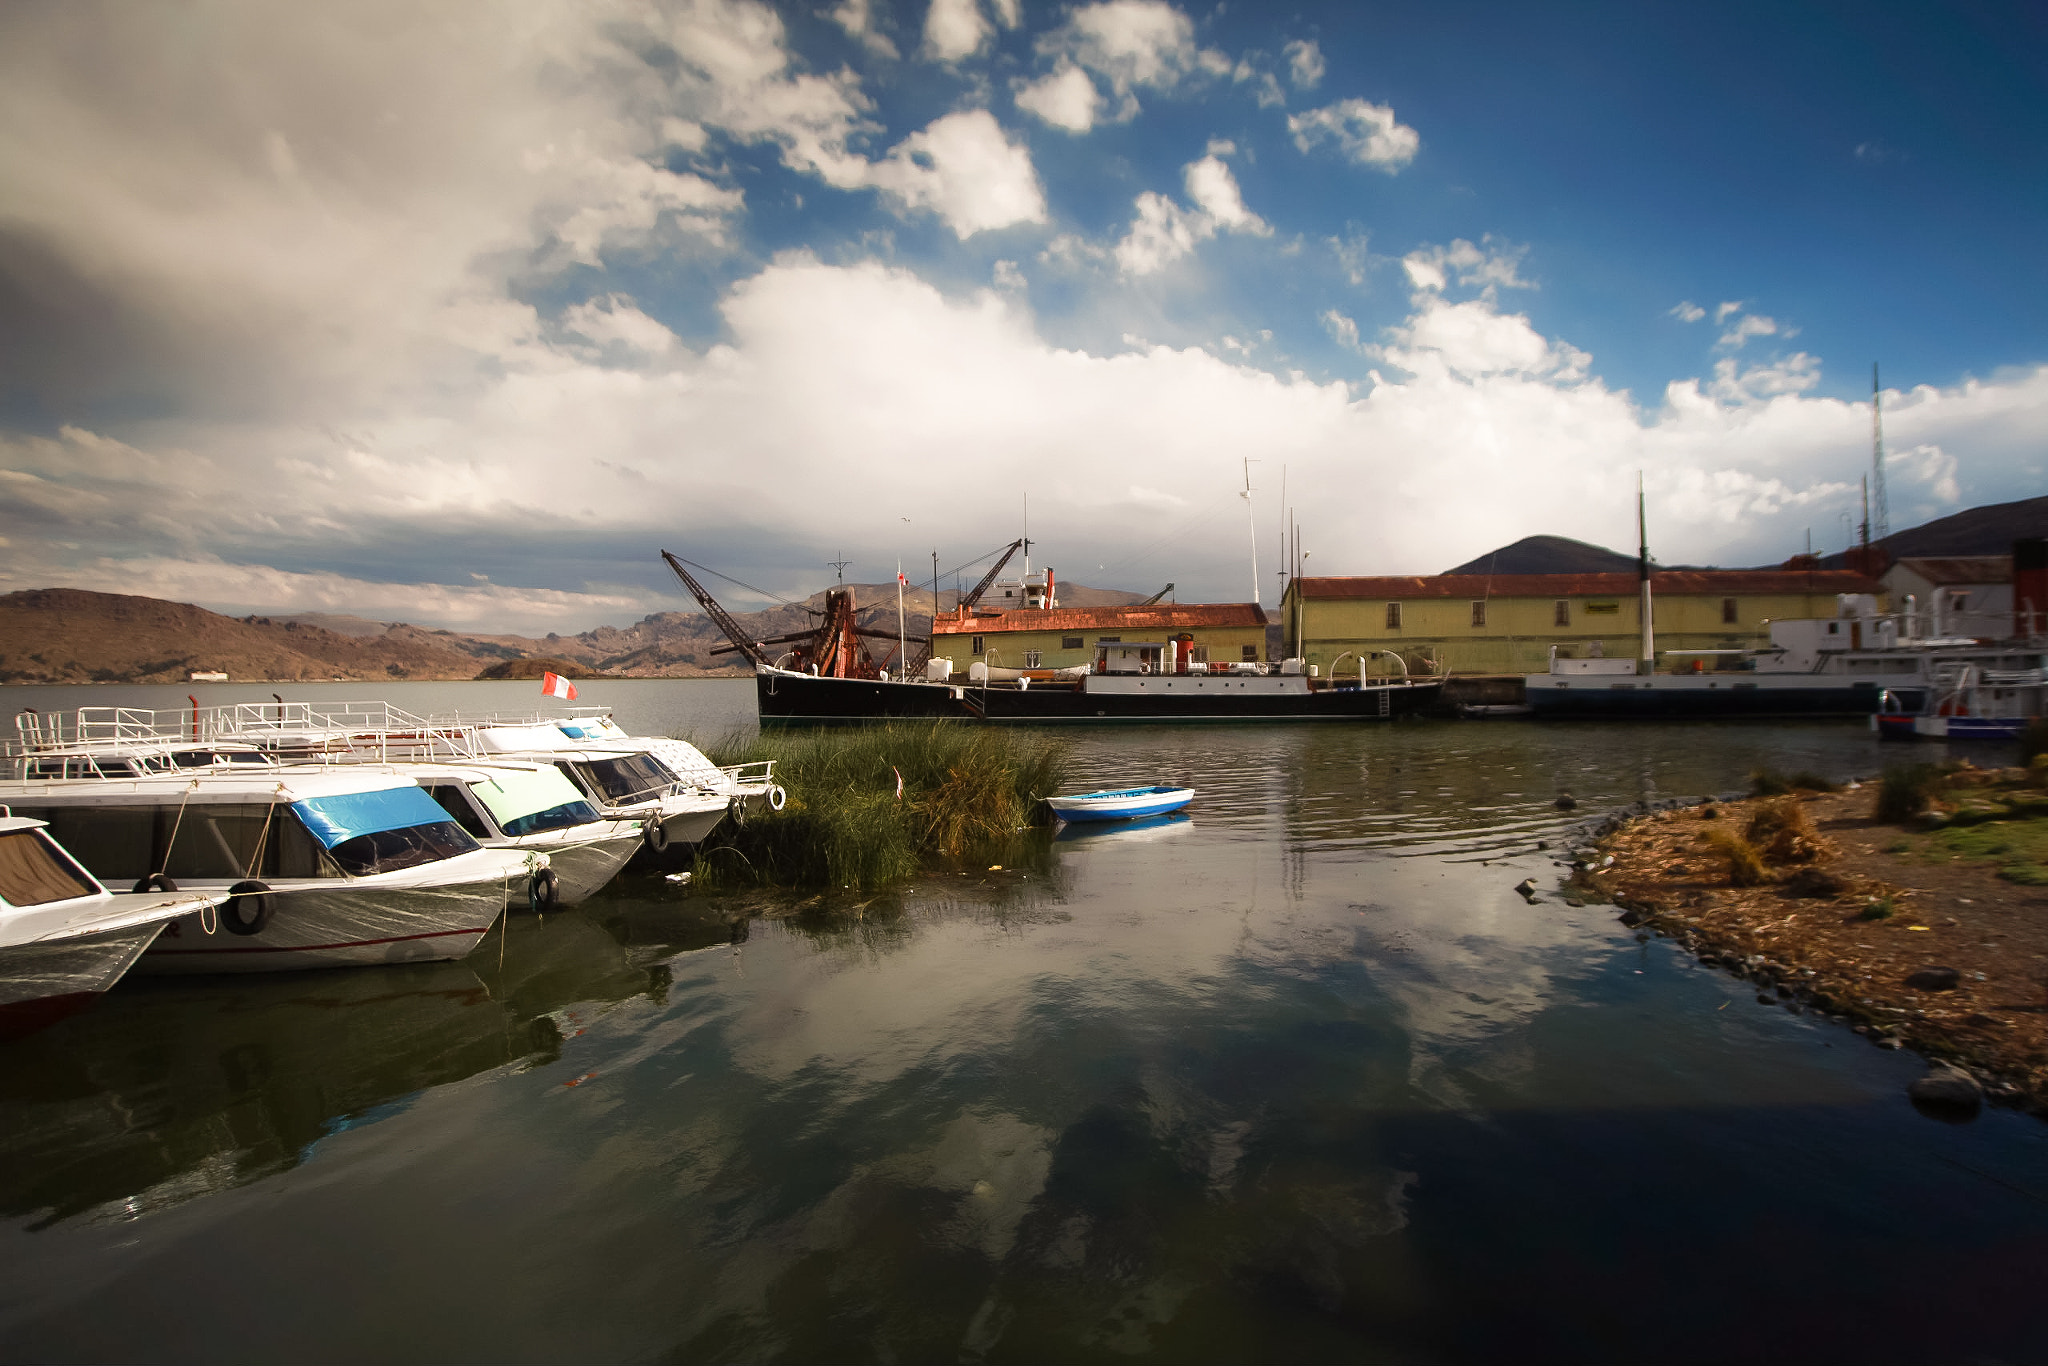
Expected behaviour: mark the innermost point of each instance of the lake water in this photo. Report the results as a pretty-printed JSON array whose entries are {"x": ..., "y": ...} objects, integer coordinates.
[{"x": 1299, "y": 1078}]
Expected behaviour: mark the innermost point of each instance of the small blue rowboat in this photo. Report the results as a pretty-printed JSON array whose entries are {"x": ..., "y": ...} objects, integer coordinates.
[{"x": 1118, "y": 804}]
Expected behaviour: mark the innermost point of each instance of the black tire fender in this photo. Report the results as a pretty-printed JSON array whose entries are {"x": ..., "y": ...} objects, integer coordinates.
[
  {"x": 248, "y": 908},
  {"x": 544, "y": 890},
  {"x": 655, "y": 835},
  {"x": 156, "y": 882}
]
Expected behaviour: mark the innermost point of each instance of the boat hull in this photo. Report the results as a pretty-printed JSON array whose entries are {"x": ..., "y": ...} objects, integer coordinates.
[
  {"x": 83, "y": 966},
  {"x": 585, "y": 869},
  {"x": 804, "y": 700},
  {"x": 338, "y": 926},
  {"x": 1191, "y": 698},
  {"x": 1125, "y": 808},
  {"x": 1669, "y": 696}
]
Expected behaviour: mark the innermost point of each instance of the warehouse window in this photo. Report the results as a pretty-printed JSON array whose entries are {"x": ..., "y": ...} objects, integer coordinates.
[
  {"x": 1563, "y": 615},
  {"x": 977, "y": 646},
  {"x": 1393, "y": 616},
  {"x": 1070, "y": 642},
  {"x": 1251, "y": 654},
  {"x": 1728, "y": 611},
  {"x": 1479, "y": 614}
]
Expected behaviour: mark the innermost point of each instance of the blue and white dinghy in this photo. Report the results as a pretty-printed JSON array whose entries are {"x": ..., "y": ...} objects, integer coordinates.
[{"x": 1119, "y": 804}]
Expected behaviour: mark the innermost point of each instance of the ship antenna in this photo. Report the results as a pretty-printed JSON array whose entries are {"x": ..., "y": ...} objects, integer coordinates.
[{"x": 1884, "y": 519}]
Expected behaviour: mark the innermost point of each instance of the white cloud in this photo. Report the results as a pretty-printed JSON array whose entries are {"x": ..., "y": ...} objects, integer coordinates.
[
  {"x": 1366, "y": 133},
  {"x": 1747, "y": 326},
  {"x": 1163, "y": 231},
  {"x": 1133, "y": 44},
  {"x": 1721, "y": 313},
  {"x": 1009, "y": 13},
  {"x": 1064, "y": 97},
  {"x": 1304, "y": 63},
  {"x": 615, "y": 321},
  {"x": 1686, "y": 311},
  {"x": 964, "y": 169},
  {"x": 857, "y": 18},
  {"x": 1492, "y": 266},
  {"x": 955, "y": 30},
  {"x": 865, "y": 368},
  {"x": 1342, "y": 330},
  {"x": 1354, "y": 255},
  {"x": 1265, "y": 85}
]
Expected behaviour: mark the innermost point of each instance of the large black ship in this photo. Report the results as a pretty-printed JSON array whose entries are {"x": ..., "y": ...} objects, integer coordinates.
[{"x": 829, "y": 676}]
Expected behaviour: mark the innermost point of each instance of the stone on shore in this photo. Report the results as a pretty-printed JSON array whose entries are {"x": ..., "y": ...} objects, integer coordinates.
[
  {"x": 1934, "y": 979},
  {"x": 1947, "y": 1093}
]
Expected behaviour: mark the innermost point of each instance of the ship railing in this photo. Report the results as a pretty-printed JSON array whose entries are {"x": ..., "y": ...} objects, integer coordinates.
[{"x": 345, "y": 732}]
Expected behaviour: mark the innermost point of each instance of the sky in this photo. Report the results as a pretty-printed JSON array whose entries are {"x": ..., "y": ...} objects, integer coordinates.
[{"x": 457, "y": 314}]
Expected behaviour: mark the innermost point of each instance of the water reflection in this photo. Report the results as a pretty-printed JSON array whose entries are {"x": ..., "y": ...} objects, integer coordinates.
[
  {"x": 1300, "y": 1076},
  {"x": 167, "y": 1091}
]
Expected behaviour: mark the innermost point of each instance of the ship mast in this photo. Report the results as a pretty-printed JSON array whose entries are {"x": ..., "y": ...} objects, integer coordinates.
[
  {"x": 1252, "y": 520},
  {"x": 1649, "y": 663},
  {"x": 1884, "y": 519}
]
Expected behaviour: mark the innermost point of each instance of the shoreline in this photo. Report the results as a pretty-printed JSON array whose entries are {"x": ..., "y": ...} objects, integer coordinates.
[{"x": 1878, "y": 925}]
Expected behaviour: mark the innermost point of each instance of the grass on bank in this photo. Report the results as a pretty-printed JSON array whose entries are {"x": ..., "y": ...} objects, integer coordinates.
[{"x": 967, "y": 791}]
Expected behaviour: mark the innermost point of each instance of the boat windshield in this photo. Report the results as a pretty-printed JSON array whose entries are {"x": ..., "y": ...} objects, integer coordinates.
[
  {"x": 627, "y": 778},
  {"x": 525, "y": 803},
  {"x": 32, "y": 874},
  {"x": 381, "y": 832}
]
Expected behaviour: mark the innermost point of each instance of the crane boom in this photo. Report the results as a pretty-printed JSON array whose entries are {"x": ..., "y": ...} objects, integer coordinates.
[
  {"x": 1157, "y": 596},
  {"x": 974, "y": 594},
  {"x": 741, "y": 641}
]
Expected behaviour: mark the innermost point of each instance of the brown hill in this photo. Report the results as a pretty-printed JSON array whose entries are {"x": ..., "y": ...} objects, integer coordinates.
[{"x": 68, "y": 635}]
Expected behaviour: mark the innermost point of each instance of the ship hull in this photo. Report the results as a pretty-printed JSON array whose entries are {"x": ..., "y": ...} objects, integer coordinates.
[
  {"x": 1677, "y": 696},
  {"x": 800, "y": 699}
]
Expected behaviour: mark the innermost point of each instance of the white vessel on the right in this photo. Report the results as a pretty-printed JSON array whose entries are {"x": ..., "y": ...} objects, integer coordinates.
[{"x": 1851, "y": 664}]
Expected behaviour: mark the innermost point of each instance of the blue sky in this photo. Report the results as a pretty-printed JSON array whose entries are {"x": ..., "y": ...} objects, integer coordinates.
[{"x": 456, "y": 314}]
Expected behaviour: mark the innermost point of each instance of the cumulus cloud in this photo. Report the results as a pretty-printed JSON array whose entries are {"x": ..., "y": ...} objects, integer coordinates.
[
  {"x": 1304, "y": 63},
  {"x": 1747, "y": 326},
  {"x": 1064, "y": 97},
  {"x": 1686, "y": 311},
  {"x": 1164, "y": 231},
  {"x": 1134, "y": 44},
  {"x": 1721, "y": 313},
  {"x": 857, "y": 18},
  {"x": 1490, "y": 266},
  {"x": 964, "y": 169},
  {"x": 955, "y": 30},
  {"x": 1365, "y": 133},
  {"x": 1252, "y": 68}
]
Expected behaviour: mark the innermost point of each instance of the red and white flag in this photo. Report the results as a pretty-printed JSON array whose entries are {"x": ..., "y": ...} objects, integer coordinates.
[
  {"x": 900, "y": 578},
  {"x": 554, "y": 685}
]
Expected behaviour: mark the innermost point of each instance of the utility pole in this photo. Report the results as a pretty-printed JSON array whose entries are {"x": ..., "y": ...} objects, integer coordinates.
[
  {"x": 839, "y": 565},
  {"x": 1251, "y": 520},
  {"x": 1884, "y": 516},
  {"x": 1649, "y": 664}
]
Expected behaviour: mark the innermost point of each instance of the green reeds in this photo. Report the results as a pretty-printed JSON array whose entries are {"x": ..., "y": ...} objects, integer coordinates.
[
  {"x": 966, "y": 792},
  {"x": 1907, "y": 791}
]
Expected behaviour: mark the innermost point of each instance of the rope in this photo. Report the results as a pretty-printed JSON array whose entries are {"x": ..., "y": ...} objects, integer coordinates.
[
  {"x": 176, "y": 825},
  {"x": 262, "y": 836}
]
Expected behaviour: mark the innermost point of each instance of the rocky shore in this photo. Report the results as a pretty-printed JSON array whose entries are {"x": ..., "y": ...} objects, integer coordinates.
[{"x": 1927, "y": 931}]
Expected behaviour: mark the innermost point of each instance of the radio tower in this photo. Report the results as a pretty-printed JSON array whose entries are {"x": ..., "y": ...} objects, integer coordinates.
[{"x": 1884, "y": 519}]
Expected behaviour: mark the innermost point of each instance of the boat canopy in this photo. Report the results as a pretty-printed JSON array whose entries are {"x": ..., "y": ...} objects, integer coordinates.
[
  {"x": 344, "y": 816},
  {"x": 515, "y": 797}
]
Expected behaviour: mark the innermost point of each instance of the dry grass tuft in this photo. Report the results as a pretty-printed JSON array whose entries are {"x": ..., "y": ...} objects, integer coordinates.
[{"x": 1745, "y": 861}]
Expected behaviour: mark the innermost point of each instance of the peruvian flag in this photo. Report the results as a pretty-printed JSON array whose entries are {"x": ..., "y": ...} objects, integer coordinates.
[{"x": 554, "y": 685}]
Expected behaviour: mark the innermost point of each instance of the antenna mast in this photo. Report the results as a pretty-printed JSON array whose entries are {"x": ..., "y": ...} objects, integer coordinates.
[
  {"x": 1649, "y": 664},
  {"x": 1252, "y": 520},
  {"x": 838, "y": 565},
  {"x": 1884, "y": 518}
]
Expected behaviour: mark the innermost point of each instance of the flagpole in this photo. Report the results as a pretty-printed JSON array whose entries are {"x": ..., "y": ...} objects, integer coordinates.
[{"x": 902, "y": 640}]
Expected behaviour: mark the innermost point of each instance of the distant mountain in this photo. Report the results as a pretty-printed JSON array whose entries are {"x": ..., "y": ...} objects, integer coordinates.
[
  {"x": 1548, "y": 555},
  {"x": 69, "y": 635},
  {"x": 1978, "y": 531}
]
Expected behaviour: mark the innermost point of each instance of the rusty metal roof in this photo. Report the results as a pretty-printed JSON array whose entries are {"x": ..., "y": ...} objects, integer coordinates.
[
  {"x": 1949, "y": 569},
  {"x": 1680, "y": 582},
  {"x": 1159, "y": 621}
]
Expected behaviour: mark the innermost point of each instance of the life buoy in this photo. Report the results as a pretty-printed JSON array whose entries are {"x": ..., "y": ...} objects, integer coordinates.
[
  {"x": 156, "y": 882},
  {"x": 655, "y": 836},
  {"x": 247, "y": 909},
  {"x": 543, "y": 890},
  {"x": 1144, "y": 668},
  {"x": 777, "y": 798}
]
